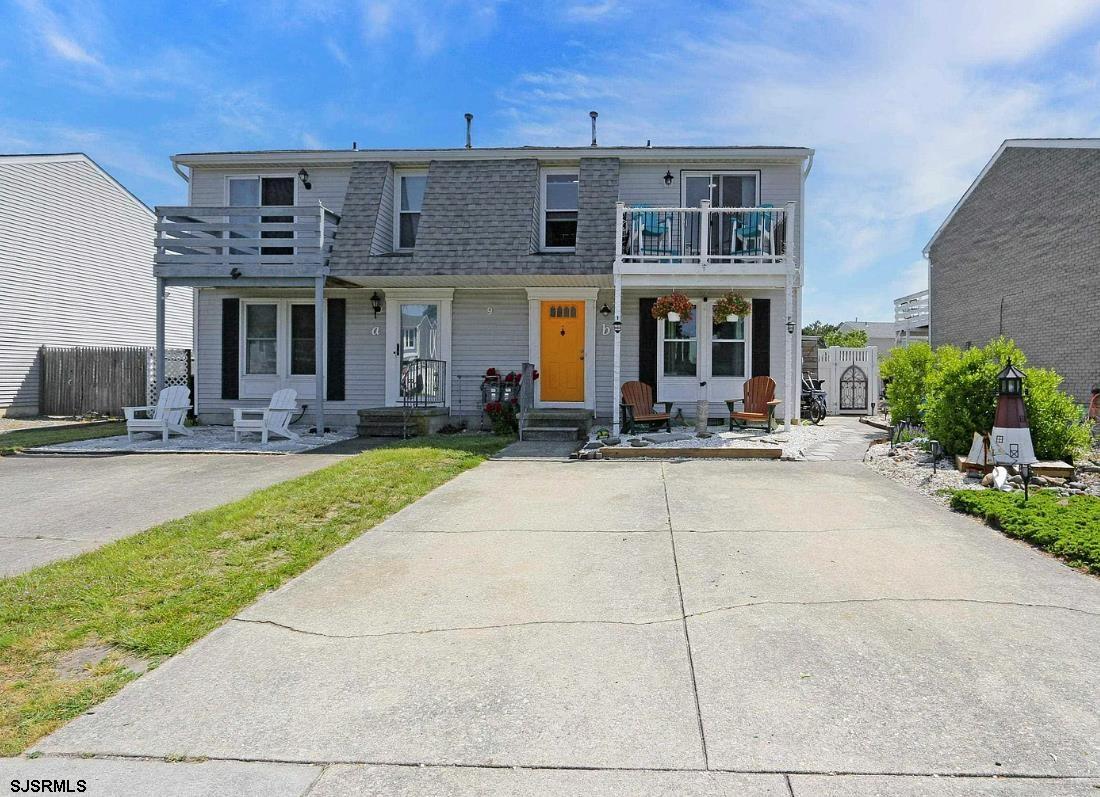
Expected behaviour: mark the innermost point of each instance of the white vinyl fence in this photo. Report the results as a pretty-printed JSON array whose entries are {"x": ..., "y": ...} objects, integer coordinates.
[{"x": 850, "y": 378}]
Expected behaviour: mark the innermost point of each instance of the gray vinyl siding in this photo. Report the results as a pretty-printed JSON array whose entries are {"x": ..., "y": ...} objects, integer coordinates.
[
  {"x": 364, "y": 377},
  {"x": 330, "y": 184},
  {"x": 76, "y": 269},
  {"x": 382, "y": 242},
  {"x": 481, "y": 340}
]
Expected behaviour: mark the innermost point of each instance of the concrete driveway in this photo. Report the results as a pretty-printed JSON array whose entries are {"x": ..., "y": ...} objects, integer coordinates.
[
  {"x": 702, "y": 628},
  {"x": 54, "y": 507}
]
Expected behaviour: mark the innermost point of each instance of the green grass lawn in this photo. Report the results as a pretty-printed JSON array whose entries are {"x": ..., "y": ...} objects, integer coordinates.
[
  {"x": 14, "y": 442},
  {"x": 74, "y": 632},
  {"x": 1067, "y": 527}
]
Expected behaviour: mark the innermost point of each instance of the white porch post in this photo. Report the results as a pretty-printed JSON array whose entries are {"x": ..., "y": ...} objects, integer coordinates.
[
  {"x": 159, "y": 366},
  {"x": 319, "y": 349},
  {"x": 792, "y": 317},
  {"x": 617, "y": 344}
]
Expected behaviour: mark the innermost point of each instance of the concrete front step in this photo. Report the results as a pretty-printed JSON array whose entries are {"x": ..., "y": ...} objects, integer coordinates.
[
  {"x": 391, "y": 421},
  {"x": 553, "y": 418},
  {"x": 551, "y": 433}
]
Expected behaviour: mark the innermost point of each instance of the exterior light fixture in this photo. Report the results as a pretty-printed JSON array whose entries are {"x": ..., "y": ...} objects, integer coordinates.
[
  {"x": 617, "y": 326},
  {"x": 235, "y": 273},
  {"x": 303, "y": 175},
  {"x": 605, "y": 311},
  {"x": 668, "y": 177},
  {"x": 376, "y": 303},
  {"x": 790, "y": 325}
]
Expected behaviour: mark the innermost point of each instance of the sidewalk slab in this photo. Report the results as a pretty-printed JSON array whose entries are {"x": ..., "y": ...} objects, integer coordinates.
[
  {"x": 129, "y": 777},
  {"x": 886, "y": 687},
  {"x": 565, "y": 695},
  {"x": 879, "y": 785},
  {"x": 386, "y": 582},
  {"x": 352, "y": 781}
]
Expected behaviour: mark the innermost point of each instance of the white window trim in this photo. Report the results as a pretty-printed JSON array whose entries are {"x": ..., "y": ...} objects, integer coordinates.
[
  {"x": 398, "y": 174},
  {"x": 394, "y": 298},
  {"x": 261, "y": 386},
  {"x": 685, "y": 389},
  {"x": 543, "y": 209},
  {"x": 535, "y": 298},
  {"x": 685, "y": 173}
]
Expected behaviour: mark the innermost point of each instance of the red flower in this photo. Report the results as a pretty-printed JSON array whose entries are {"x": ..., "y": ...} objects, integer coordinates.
[
  {"x": 491, "y": 372},
  {"x": 534, "y": 375}
]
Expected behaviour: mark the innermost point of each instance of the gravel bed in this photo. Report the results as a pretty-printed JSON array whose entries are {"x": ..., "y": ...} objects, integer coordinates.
[
  {"x": 912, "y": 466},
  {"x": 793, "y": 443}
]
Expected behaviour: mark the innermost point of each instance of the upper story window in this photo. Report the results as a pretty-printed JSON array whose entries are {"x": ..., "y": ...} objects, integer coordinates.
[
  {"x": 409, "y": 187},
  {"x": 560, "y": 200}
]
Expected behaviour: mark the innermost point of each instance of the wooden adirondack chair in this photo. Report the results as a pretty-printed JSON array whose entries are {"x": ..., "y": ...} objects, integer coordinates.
[
  {"x": 637, "y": 407},
  {"x": 758, "y": 404},
  {"x": 274, "y": 419},
  {"x": 165, "y": 417}
]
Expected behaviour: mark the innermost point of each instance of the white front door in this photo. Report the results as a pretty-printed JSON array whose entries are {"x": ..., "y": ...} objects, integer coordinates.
[
  {"x": 418, "y": 330},
  {"x": 704, "y": 349}
]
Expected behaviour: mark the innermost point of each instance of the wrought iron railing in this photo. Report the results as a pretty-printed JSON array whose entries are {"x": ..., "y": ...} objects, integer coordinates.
[{"x": 423, "y": 383}]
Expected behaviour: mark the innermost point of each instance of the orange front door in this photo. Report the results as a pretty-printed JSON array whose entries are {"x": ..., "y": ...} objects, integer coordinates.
[{"x": 562, "y": 351}]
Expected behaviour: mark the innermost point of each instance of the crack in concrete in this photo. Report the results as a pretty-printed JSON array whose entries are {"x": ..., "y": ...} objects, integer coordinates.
[
  {"x": 660, "y": 621},
  {"x": 683, "y": 618},
  {"x": 86, "y": 755}
]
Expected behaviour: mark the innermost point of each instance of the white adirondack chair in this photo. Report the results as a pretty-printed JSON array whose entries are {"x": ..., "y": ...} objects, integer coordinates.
[
  {"x": 165, "y": 417},
  {"x": 275, "y": 419}
]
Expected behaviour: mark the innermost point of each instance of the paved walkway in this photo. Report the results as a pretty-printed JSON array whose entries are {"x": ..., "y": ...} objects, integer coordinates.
[
  {"x": 54, "y": 507},
  {"x": 626, "y": 628}
]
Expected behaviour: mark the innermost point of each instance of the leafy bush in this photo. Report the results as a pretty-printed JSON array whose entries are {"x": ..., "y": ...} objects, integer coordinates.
[
  {"x": 1058, "y": 428},
  {"x": 852, "y": 338},
  {"x": 1067, "y": 527},
  {"x": 905, "y": 371},
  {"x": 961, "y": 398}
]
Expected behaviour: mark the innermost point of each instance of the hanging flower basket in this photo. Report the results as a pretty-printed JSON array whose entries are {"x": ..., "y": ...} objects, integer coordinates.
[
  {"x": 731, "y": 307},
  {"x": 673, "y": 306}
]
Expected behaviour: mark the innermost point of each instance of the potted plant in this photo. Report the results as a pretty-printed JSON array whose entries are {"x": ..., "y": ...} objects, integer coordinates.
[
  {"x": 731, "y": 307},
  {"x": 673, "y": 306}
]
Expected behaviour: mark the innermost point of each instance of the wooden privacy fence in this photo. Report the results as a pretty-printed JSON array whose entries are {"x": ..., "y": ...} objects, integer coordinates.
[{"x": 96, "y": 380}]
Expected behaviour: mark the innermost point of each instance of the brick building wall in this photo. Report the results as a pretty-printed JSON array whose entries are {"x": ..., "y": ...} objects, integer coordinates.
[{"x": 1022, "y": 257}]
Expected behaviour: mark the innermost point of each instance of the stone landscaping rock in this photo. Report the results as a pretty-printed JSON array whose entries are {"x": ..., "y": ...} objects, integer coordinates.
[
  {"x": 667, "y": 437},
  {"x": 1054, "y": 480},
  {"x": 987, "y": 479},
  {"x": 1075, "y": 485},
  {"x": 592, "y": 445},
  {"x": 612, "y": 441},
  {"x": 638, "y": 443}
]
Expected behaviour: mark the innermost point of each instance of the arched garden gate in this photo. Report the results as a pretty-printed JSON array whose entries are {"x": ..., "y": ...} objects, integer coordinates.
[
  {"x": 849, "y": 376},
  {"x": 853, "y": 389}
]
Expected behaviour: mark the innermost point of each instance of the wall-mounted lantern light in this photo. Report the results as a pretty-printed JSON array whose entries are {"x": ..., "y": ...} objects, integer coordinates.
[
  {"x": 605, "y": 311},
  {"x": 303, "y": 175},
  {"x": 668, "y": 177},
  {"x": 376, "y": 303},
  {"x": 790, "y": 325},
  {"x": 617, "y": 326},
  {"x": 235, "y": 273}
]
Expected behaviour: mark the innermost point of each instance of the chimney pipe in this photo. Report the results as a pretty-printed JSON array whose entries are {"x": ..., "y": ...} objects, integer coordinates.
[
  {"x": 354, "y": 146},
  {"x": 469, "y": 122},
  {"x": 593, "y": 114}
]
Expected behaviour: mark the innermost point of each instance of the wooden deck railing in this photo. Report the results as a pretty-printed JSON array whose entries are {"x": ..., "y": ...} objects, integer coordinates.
[{"x": 293, "y": 238}]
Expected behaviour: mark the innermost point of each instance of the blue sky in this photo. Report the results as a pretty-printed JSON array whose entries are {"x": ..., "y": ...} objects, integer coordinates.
[{"x": 903, "y": 101}]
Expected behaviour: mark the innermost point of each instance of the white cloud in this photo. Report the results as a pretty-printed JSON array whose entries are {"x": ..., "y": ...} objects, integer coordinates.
[
  {"x": 430, "y": 25},
  {"x": 338, "y": 53},
  {"x": 593, "y": 11}
]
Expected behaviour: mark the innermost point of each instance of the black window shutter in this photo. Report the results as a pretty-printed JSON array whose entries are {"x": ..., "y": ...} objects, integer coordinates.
[
  {"x": 647, "y": 344},
  {"x": 231, "y": 348},
  {"x": 334, "y": 367},
  {"x": 761, "y": 337}
]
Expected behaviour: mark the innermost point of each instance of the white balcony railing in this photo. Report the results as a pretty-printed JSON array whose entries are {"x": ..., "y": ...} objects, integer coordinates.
[
  {"x": 912, "y": 312},
  {"x": 291, "y": 239},
  {"x": 705, "y": 235}
]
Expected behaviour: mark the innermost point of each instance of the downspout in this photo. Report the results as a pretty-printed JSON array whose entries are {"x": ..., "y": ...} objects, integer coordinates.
[
  {"x": 176, "y": 168},
  {"x": 617, "y": 327}
]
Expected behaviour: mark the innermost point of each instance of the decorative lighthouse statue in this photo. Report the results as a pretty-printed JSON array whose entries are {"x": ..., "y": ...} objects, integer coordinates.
[{"x": 1010, "y": 440}]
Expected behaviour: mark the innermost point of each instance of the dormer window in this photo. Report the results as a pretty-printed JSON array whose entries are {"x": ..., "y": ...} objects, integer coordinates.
[
  {"x": 560, "y": 200},
  {"x": 409, "y": 187}
]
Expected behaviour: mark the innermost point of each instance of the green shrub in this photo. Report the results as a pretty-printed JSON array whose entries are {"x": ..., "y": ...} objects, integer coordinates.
[
  {"x": 852, "y": 338},
  {"x": 961, "y": 398},
  {"x": 962, "y": 392},
  {"x": 1067, "y": 527},
  {"x": 905, "y": 371},
  {"x": 1058, "y": 428}
]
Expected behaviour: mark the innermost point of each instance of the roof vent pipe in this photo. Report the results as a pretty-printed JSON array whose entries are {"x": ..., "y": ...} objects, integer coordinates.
[
  {"x": 593, "y": 114},
  {"x": 355, "y": 146},
  {"x": 469, "y": 124}
]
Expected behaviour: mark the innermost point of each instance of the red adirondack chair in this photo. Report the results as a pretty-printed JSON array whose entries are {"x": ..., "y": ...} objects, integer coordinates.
[
  {"x": 637, "y": 407},
  {"x": 758, "y": 404}
]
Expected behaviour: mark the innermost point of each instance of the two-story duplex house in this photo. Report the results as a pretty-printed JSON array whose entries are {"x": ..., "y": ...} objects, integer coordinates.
[{"x": 361, "y": 278}]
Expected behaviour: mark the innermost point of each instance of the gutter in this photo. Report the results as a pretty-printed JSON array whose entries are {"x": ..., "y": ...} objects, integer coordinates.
[{"x": 176, "y": 168}]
